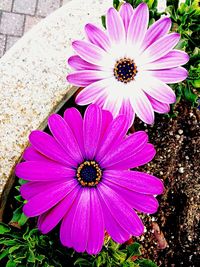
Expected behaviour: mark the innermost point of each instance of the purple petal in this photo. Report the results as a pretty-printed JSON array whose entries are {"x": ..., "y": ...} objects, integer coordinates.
[
  {"x": 31, "y": 189},
  {"x": 85, "y": 77},
  {"x": 125, "y": 216},
  {"x": 170, "y": 76},
  {"x": 173, "y": 59},
  {"x": 67, "y": 222},
  {"x": 126, "y": 12},
  {"x": 136, "y": 181},
  {"x": 51, "y": 218},
  {"x": 142, "y": 106},
  {"x": 78, "y": 63},
  {"x": 45, "y": 200},
  {"x": 156, "y": 31},
  {"x": 129, "y": 147},
  {"x": 65, "y": 137},
  {"x": 159, "y": 90},
  {"x": 114, "y": 229},
  {"x": 142, "y": 157},
  {"x": 115, "y": 26},
  {"x": 159, "y": 106},
  {"x": 107, "y": 118},
  {"x": 127, "y": 110},
  {"x": 43, "y": 171},
  {"x": 96, "y": 226},
  {"x": 75, "y": 121},
  {"x": 92, "y": 124},
  {"x": 140, "y": 202},
  {"x": 159, "y": 48},
  {"x": 115, "y": 133},
  {"x": 47, "y": 145},
  {"x": 89, "y": 52},
  {"x": 97, "y": 36},
  {"x": 138, "y": 25},
  {"x": 80, "y": 226},
  {"x": 32, "y": 154},
  {"x": 90, "y": 93}
]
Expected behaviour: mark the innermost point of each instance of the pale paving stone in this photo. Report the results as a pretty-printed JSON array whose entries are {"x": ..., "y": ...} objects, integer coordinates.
[
  {"x": 12, "y": 24},
  {"x": 30, "y": 22},
  {"x": 11, "y": 40},
  {"x": 45, "y": 7},
  {"x": 25, "y": 6},
  {"x": 2, "y": 44},
  {"x": 5, "y": 5},
  {"x": 33, "y": 79}
]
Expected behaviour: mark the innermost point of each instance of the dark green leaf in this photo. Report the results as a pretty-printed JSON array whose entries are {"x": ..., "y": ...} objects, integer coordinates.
[{"x": 4, "y": 228}]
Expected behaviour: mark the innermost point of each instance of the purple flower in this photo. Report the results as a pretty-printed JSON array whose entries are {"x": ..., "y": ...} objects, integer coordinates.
[
  {"x": 125, "y": 69},
  {"x": 81, "y": 176}
]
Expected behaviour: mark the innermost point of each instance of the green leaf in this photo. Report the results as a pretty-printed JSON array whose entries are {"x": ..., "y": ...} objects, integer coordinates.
[
  {"x": 16, "y": 247},
  {"x": 4, "y": 253},
  {"x": 81, "y": 262},
  {"x": 116, "y": 4},
  {"x": 103, "y": 21},
  {"x": 146, "y": 263},
  {"x": 23, "y": 219},
  {"x": 11, "y": 263},
  {"x": 134, "y": 249},
  {"x": 8, "y": 242},
  {"x": 4, "y": 228}
]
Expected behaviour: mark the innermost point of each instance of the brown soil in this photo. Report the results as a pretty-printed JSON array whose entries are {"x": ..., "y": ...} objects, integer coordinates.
[{"x": 172, "y": 236}]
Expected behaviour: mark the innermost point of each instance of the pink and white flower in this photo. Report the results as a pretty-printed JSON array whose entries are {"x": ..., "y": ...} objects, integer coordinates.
[{"x": 127, "y": 68}]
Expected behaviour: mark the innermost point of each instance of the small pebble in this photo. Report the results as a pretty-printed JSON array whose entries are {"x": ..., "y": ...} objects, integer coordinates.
[
  {"x": 181, "y": 170},
  {"x": 180, "y": 131}
]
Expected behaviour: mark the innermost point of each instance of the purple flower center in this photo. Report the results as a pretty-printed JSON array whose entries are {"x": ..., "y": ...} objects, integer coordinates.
[
  {"x": 125, "y": 70},
  {"x": 89, "y": 173}
]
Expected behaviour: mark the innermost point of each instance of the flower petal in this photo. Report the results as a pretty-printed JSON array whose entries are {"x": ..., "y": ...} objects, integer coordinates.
[
  {"x": 67, "y": 222},
  {"x": 156, "y": 31},
  {"x": 97, "y": 36},
  {"x": 127, "y": 110},
  {"x": 129, "y": 147},
  {"x": 80, "y": 226},
  {"x": 30, "y": 189},
  {"x": 96, "y": 226},
  {"x": 89, "y": 52},
  {"x": 43, "y": 171},
  {"x": 115, "y": 27},
  {"x": 115, "y": 133},
  {"x": 31, "y": 153},
  {"x": 140, "y": 202},
  {"x": 170, "y": 76},
  {"x": 136, "y": 181},
  {"x": 85, "y": 77},
  {"x": 140, "y": 158},
  {"x": 158, "y": 106},
  {"x": 126, "y": 12},
  {"x": 107, "y": 118},
  {"x": 138, "y": 25},
  {"x": 45, "y": 200},
  {"x": 90, "y": 93},
  {"x": 92, "y": 124},
  {"x": 78, "y": 63},
  {"x": 65, "y": 137},
  {"x": 75, "y": 121},
  {"x": 142, "y": 106},
  {"x": 51, "y": 218},
  {"x": 47, "y": 145},
  {"x": 125, "y": 216},
  {"x": 158, "y": 49},
  {"x": 173, "y": 59},
  {"x": 157, "y": 89}
]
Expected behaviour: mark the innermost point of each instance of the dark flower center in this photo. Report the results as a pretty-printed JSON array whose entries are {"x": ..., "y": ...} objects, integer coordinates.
[
  {"x": 89, "y": 173},
  {"x": 125, "y": 70}
]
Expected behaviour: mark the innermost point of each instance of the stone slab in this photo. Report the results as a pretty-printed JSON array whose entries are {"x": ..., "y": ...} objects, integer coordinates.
[{"x": 32, "y": 79}]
